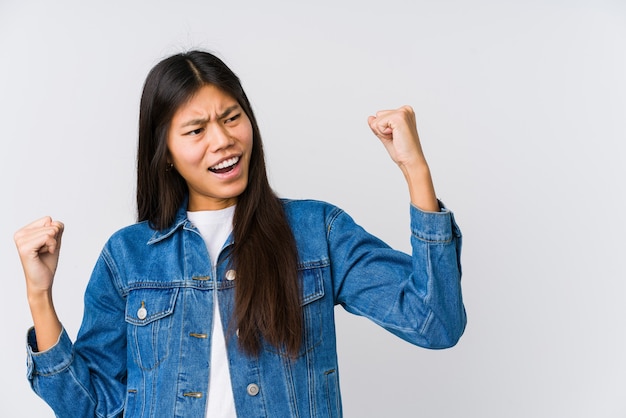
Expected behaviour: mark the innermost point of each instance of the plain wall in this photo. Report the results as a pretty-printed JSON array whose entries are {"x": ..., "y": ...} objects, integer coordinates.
[{"x": 521, "y": 108}]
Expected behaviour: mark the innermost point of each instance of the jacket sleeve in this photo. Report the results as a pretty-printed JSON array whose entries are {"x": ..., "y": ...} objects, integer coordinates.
[
  {"x": 88, "y": 378},
  {"x": 418, "y": 297}
]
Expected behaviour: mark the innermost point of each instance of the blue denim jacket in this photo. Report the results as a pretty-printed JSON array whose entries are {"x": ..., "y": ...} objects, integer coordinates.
[{"x": 143, "y": 347}]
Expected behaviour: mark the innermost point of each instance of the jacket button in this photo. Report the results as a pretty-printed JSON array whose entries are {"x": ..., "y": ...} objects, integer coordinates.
[
  {"x": 230, "y": 275},
  {"x": 142, "y": 312},
  {"x": 253, "y": 389}
]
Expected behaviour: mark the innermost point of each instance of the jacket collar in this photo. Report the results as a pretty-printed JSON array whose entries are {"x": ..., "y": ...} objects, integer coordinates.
[{"x": 180, "y": 221}]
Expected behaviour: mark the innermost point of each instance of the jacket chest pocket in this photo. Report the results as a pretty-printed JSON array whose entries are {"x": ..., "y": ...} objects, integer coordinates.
[
  {"x": 312, "y": 287},
  {"x": 149, "y": 316}
]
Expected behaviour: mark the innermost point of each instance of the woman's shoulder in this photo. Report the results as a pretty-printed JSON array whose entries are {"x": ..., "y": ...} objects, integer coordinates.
[
  {"x": 139, "y": 233},
  {"x": 137, "y": 227},
  {"x": 300, "y": 207},
  {"x": 307, "y": 214}
]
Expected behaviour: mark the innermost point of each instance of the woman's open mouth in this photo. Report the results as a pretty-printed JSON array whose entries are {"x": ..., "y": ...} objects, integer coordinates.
[{"x": 225, "y": 166}]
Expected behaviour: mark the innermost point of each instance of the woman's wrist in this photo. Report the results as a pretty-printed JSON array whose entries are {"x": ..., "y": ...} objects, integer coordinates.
[
  {"x": 421, "y": 188},
  {"x": 45, "y": 319}
]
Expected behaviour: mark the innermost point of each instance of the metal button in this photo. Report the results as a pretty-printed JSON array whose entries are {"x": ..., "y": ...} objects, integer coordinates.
[
  {"x": 142, "y": 312},
  {"x": 253, "y": 389},
  {"x": 230, "y": 275}
]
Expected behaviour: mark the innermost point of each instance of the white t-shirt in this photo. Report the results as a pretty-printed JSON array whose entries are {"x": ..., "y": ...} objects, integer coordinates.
[{"x": 215, "y": 226}]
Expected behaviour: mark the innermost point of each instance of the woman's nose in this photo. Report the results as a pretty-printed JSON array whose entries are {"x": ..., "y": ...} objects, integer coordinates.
[{"x": 219, "y": 139}]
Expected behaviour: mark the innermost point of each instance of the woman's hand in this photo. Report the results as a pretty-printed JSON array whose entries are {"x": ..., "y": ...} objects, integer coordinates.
[
  {"x": 397, "y": 131},
  {"x": 38, "y": 245}
]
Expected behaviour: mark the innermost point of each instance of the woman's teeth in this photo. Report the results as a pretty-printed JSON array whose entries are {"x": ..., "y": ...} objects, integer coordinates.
[{"x": 224, "y": 165}]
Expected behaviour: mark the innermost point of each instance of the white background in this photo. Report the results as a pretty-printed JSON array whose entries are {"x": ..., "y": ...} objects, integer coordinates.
[{"x": 521, "y": 107}]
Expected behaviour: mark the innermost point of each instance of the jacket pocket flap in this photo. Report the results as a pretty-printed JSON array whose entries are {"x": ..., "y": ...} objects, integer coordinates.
[
  {"x": 312, "y": 282},
  {"x": 144, "y": 306}
]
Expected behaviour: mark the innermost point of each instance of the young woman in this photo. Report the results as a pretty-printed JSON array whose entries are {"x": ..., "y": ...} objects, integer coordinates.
[{"x": 219, "y": 302}]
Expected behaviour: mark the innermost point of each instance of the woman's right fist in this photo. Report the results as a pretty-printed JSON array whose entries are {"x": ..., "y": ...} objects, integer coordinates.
[{"x": 38, "y": 245}]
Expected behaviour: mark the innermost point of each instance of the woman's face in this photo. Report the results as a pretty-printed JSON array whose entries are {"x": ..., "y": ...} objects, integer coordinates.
[{"x": 209, "y": 143}]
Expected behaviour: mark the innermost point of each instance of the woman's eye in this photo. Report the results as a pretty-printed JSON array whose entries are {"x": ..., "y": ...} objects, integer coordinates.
[
  {"x": 233, "y": 118},
  {"x": 195, "y": 132}
]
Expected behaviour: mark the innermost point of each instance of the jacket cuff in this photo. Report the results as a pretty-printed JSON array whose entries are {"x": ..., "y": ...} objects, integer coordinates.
[
  {"x": 434, "y": 226},
  {"x": 54, "y": 360}
]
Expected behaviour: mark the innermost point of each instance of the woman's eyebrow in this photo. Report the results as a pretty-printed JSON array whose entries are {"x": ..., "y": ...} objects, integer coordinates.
[
  {"x": 202, "y": 121},
  {"x": 194, "y": 122},
  {"x": 228, "y": 110}
]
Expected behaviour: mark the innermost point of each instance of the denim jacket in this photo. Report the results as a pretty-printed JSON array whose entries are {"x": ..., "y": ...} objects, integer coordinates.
[{"x": 143, "y": 347}]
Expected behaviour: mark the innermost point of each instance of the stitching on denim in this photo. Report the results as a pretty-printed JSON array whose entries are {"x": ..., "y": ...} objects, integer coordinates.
[
  {"x": 432, "y": 241},
  {"x": 428, "y": 296},
  {"x": 165, "y": 311},
  {"x": 331, "y": 220},
  {"x": 427, "y": 322},
  {"x": 93, "y": 401},
  {"x": 110, "y": 264},
  {"x": 308, "y": 265},
  {"x": 64, "y": 367}
]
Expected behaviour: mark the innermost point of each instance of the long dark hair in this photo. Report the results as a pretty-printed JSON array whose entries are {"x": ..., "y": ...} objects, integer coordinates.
[{"x": 267, "y": 296}]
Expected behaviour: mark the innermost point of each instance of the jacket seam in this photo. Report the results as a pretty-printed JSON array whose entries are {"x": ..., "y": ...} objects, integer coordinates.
[
  {"x": 111, "y": 267},
  {"x": 331, "y": 220}
]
